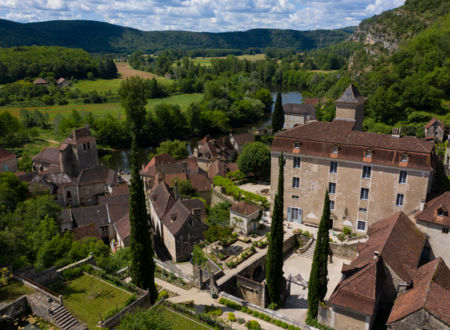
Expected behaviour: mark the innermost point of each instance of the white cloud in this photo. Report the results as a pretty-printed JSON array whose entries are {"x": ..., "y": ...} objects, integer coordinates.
[{"x": 202, "y": 15}]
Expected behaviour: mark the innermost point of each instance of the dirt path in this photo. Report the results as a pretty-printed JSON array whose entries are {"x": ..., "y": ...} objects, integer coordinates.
[{"x": 126, "y": 72}]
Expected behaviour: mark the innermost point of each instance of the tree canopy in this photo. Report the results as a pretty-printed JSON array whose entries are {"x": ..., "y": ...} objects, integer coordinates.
[{"x": 255, "y": 158}]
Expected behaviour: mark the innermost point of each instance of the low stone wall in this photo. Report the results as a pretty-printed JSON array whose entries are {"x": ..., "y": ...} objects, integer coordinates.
[
  {"x": 89, "y": 260},
  {"x": 162, "y": 265},
  {"x": 289, "y": 244},
  {"x": 217, "y": 197},
  {"x": 46, "y": 277},
  {"x": 324, "y": 315},
  {"x": 345, "y": 251},
  {"x": 307, "y": 245},
  {"x": 13, "y": 310},
  {"x": 40, "y": 288},
  {"x": 251, "y": 291},
  {"x": 142, "y": 302}
]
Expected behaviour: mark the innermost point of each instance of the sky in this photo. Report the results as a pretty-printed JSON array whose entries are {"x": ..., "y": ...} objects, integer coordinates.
[{"x": 201, "y": 15}]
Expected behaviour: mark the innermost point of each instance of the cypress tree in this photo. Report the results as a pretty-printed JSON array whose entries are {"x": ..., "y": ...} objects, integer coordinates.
[
  {"x": 274, "y": 259},
  {"x": 317, "y": 287},
  {"x": 142, "y": 268},
  {"x": 278, "y": 114}
]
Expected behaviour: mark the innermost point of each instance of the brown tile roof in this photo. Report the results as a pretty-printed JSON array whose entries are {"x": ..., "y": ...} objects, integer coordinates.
[
  {"x": 317, "y": 139},
  {"x": 195, "y": 203},
  {"x": 95, "y": 175},
  {"x": 192, "y": 164},
  {"x": 161, "y": 199},
  {"x": 433, "y": 121},
  {"x": 311, "y": 101},
  {"x": 122, "y": 227},
  {"x": 298, "y": 109},
  {"x": 48, "y": 155},
  {"x": 85, "y": 231},
  {"x": 6, "y": 155},
  {"x": 178, "y": 214},
  {"x": 113, "y": 199},
  {"x": 60, "y": 80},
  {"x": 83, "y": 216},
  {"x": 220, "y": 167},
  {"x": 40, "y": 81},
  {"x": 244, "y": 208},
  {"x": 437, "y": 210},
  {"x": 430, "y": 290},
  {"x": 150, "y": 168},
  {"x": 120, "y": 189},
  {"x": 398, "y": 244},
  {"x": 243, "y": 138},
  {"x": 200, "y": 182},
  {"x": 350, "y": 95},
  {"x": 118, "y": 210}
]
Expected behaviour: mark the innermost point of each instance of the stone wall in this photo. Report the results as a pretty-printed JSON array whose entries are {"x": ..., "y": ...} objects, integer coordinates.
[
  {"x": 89, "y": 260},
  {"x": 217, "y": 197},
  {"x": 421, "y": 319},
  {"x": 325, "y": 315},
  {"x": 344, "y": 251},
  {"x": 250, "y": 290},
  {"x": 46, "y": 277},
  {"x": 14, "y": 309}
]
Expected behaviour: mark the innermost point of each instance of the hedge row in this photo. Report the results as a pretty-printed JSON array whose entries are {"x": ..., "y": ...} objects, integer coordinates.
[{"x": 230, "y": 189}]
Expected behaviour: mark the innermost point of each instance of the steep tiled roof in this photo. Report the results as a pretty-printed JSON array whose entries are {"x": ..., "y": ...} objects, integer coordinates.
[
  {"x": 95, "y": 175},
  {"x": 243, "y": 138},
  {"x": 161, "y": 199},
  {"x": 194, "y": 203},
  {"x": 113, "y": 199},
  {"x": 6, "y": 154},
  {"x": 244, "y": 208},
  {"x": 430, "y": 290},
  {"x": 85, "y": 231},
  {"x": 120, "y": 189},
  {"x": 48, "y": 155},
  {"x": 394, "y": 241},
  {"x": 220, "y": 167},
  {"x": 200, "y": 182},
  {"x": 298, "y": 109},
  {"x": 430, "y": 212},
  {"x": 350, "y": 95},
  {"x": 433, "y": 121},
  {"x": 60, "y": 80},
  {"x": 122, "y": 227},
  {"x": 118, "y": 210},
  {"x": 177, "y": 216},
  {"x": 83, "y": 216},
  {"x": 311, "y": 101},
  {"x": 40, "y": 81},
  {"x": 79, "y": 135},
  {"x": 150, "y": 168}
]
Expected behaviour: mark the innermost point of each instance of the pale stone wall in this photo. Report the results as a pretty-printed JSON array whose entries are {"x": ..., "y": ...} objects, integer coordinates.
[
  {"x": 88, "y": 194},
  {"x": 291, "y": 120},
  {"x": 348, "y": 320},
  {"x": 242, "y": 223},
  {"x": 314, "y": 174},
  {"x": 419, "y": 320},
  {"x": 440, "y": 242},
  {"x": 170, "y": 243}
]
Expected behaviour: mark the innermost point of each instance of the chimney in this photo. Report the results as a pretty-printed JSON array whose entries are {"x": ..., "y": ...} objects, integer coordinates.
[
  {"x": 376, "y": 254},
  {"x": 175, "y": 191},
  {"x": 397, "y": 132},
  {"x": 197, "y": 213},
  {"x": 422, "y": 205}
]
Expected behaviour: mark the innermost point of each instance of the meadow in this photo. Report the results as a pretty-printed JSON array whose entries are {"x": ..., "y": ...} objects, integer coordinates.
[{"x": 206, "y": 61}]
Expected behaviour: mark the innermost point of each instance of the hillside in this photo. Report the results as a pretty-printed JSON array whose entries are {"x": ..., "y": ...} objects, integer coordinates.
[{"x": 95, "y": 36}]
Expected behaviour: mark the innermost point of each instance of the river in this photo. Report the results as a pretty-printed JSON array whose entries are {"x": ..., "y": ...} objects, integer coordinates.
[{"x": 120, "y": 158}]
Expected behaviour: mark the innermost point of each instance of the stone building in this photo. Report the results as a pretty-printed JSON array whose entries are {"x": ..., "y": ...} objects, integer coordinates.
[
  {"x": 8, "y": 161},
  {"x": 426, "y": 303},
  {"x": 298, "y": 114},
  {"x": 434, "y": 220},
  {"x": 177, "y": 223},
  {"x": 434, "y": 130},
  {"x": 238, "y": 141},
  {"x": 209, "y": 150},
  {"x": 244, "y": 217},
  {"x": 368, "y": 175},
  {"x": 380, "y": 270}
]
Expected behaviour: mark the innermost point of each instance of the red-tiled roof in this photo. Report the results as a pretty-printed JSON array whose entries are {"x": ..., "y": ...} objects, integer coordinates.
[
  {"x": 433, "y": 121},
  {"x": 244, "y": 208},
  {"x": 243, "y": 138},
  {"x": 311, "y": 101},
  {"x": 122, "y": 226},
  {"x": 6, "y": 155},
  {"x": 40, "y": 81},
  {"x": 430, "y": 290},
  {"x": 200, "y": 182},
  {"x": 85, "y": 231},
  {"x": 150, "y": 168},
  {"x": 120, "y": 189},
  {"x": 437, "y": 210}
]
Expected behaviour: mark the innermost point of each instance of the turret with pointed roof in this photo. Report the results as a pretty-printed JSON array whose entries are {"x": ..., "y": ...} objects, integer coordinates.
[{"x": 350, "y": 107}]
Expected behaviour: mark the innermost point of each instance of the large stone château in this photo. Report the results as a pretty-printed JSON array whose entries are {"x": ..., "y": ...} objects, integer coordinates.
[{"x": 369, "y": 176}]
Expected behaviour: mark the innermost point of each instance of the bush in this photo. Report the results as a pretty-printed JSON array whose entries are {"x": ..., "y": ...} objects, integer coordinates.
[
  {"x": 267, "y": 317},
  {"x": 347, "y": 231},
  {"x": 130, "y": 300},
  {"x": 278, "y": 323},
  {"x": 212, "y": 310},
  {"x": 230, "y": 303},
  {"x": 163, "y": 295},
  {"x": 253, "y": 325},
  {"x": 284, "y": 325},
  {"x": 72, "y": 273},
  {"x": 244, "y": 309},
  {"x": 231, "y": 317},
  {"x": 273, "y": 306},
  {"x": 240, "y": 321},
  {"x": 316, "y": 324},
  {"x": 255, "y": 313}
]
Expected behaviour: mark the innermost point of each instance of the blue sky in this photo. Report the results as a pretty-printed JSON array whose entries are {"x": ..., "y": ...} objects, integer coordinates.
[{"x": 201, "y": 15}]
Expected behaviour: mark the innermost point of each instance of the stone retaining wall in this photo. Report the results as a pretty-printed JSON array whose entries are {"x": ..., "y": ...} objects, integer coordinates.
[
  {"x": 14, "y": 309},
  {"x": 46, "y": 277},
  {"x": 40, "y": 288},
  {"x": 89, "y": 260},
  {"x": 345, "y": 251}
]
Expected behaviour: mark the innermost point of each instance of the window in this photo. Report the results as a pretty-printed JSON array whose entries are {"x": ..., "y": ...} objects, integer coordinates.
[
  {"x": 296, "y": 162},
  {"x": 444, "y": 230},
  {"x": 297, "y": 145},
  {"x": 367, "y": 171},
  {"x": 334, "y": 149},
  {"x": 402, "y": 177},
  {"x": 404, "y": 158},
  {"x": 368, "y": 154},
  {"x": 84, "y": 146},
  {"x": 399, "y": 201},
  {"x": 362, "y": 209},
  {"x": 295, "y": 182},
  {"x": 364, "y": 193},
  {"x": 440, "y": 212},
  {"x": 294, "y": 214},
  {"x": 361, "y": 225},
  {"x": 294, "y": 197},
  {"x": 332, "y": 187},
  {"x": 68, "y": 194},
  {"x": 333, "y": 167},
  {"x": 331, "y": 205}
]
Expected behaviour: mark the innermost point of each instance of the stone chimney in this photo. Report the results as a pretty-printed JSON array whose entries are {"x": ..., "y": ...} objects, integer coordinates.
[{"x": 397, "y": 132}]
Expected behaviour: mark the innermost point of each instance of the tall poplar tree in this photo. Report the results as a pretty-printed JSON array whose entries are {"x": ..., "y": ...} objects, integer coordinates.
[
  {"x": 274, "y": 259},
  {"x": 278, "y": 114},
  {"x": 317, "y": 287},
  {"x": 142, "y": 269}
]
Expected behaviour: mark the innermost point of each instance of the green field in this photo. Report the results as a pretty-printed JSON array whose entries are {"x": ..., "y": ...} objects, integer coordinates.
[
  {"x": 86, "y": 297},
  {"x": 99, "y": 85},
  {"x": 13, "y": 291},
  {"x": 181, "y": 321},
  {"x": 206, "y": 61},
  {"x": 101, "y": 109}
]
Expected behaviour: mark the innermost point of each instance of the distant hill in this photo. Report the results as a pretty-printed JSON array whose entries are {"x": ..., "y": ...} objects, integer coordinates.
[{"x": 96, "y": 36}]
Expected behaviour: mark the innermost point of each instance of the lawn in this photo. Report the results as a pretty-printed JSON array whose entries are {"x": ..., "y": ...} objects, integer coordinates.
[
  {"x": 13, "y": 291},
  {"x": 99, "y": 85},
  {"x": 181, "y": 321},
  {"x": 88, "y": 297},
  {"x": 206, "y": 61}
]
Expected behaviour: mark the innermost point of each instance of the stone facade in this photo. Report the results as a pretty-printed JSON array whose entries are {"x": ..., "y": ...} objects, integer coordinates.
[
  {"x": 435, "y": 130},
  {"x": 438, "y": 239},
  {"x": 422, "y": 319}
]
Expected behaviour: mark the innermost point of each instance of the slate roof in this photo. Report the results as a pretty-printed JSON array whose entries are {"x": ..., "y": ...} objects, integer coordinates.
[
  {"x": 244, "y": 208},
  {"x": 299, "y": 109},
  {"x": 95, "y": 175},
  {"x": 350, "y": 95},
  {"x": 48, "y": 155},
  {"x": 6, "y": 155},
  {"x": 399, "y": 245},
  {"x": 430, "y": 291},
  {"x": 430, "y": 212}
]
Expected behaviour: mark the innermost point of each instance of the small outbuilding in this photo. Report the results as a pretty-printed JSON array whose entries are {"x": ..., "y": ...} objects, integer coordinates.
[
  {"x": 434, "y": 130},
  {"x": 8, "y": 161},
  {"x": 244, "y": 217},
  {"x": 40, "y": 81}
]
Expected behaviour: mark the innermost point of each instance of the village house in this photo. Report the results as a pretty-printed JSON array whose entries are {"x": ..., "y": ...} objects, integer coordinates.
[
  {"x": 244, "y": 217},
  {"x": 434, "y": 130},
  {"x": 209, "y": 150},
  {"x": 381, "y": 269},
  {"x": 177, "y": 223},
  {"x": 368, "y": 175},
  {"x": 426, "y": 303},
  {"x": 221, "y": 168},
  {"x": 41, "y": 82},
  {"x": 123, "y": 229},
  {"x": 298, "y": 114},
  {"x": 61, "y": 82},
  {"x": 8, "y": 161},
  {"x": 434, "y": 220},
  {"x": 238, "y": 141}
]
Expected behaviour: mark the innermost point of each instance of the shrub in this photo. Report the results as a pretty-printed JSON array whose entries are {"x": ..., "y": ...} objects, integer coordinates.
[
  {"x": 291, "y": 327},
  {"x": 273, "y": 306},
  {"x": 253, "y": 325},
  {"x": 240, "y": 321},
  {"x": 72, "y": 273},
  {"x": 212, "y": 310},
  {"x": 231, "y": 317},
  {"x": 131, "y": 299},
  {"x": 267, "y": 317},
  {"x": 230, "y": 303},
  {"x": 255, "y": 313},
  {"x": 163, "y": 295},
  {"x": 347, "y": 231},
  {"x": 278, "y": 323},
  {"x": 244, "y": 309},
  {"x": 284, "y": 325}
]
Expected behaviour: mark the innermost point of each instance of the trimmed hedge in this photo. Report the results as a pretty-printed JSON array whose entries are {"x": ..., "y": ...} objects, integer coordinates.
[{"x": 230, "y": 189}]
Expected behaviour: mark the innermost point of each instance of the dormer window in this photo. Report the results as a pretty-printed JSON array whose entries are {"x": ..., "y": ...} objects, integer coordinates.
[
  {"x": 368, "y": 154},
  {"x": 440, "y": 212},
  {"x": 334, "y": 150},
  {"x": 173, "y": 217},
  {"x": 297, "y": 145},
  {"x": 404, "y": 158}
]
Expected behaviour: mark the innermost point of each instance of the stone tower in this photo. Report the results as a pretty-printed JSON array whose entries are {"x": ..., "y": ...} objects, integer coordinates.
[{"x": 350, "y": 107}]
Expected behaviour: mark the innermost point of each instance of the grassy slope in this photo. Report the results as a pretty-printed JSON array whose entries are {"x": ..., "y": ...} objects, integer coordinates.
[
  {"x": 87, "y": 297},
  {"x": 181, "y": 322},
  {"x": 13, "y": 291}
]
